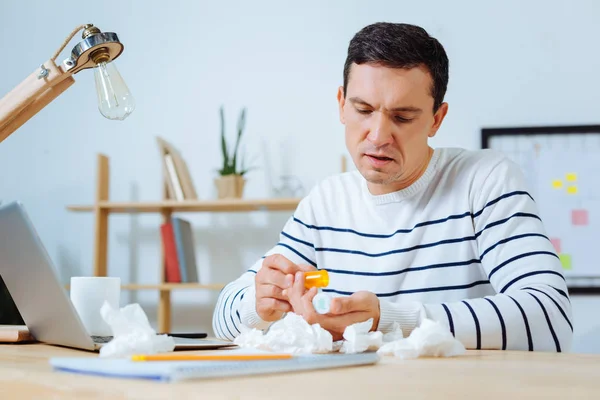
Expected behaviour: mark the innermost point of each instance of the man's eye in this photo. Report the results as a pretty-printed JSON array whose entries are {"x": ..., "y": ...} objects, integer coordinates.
[
  {"x": 402, "y": 120},
  {"x": 363, "y": 111}
]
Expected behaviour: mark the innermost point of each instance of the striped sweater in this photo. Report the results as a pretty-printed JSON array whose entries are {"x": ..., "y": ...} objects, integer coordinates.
[{"x": 463, "y": 245}]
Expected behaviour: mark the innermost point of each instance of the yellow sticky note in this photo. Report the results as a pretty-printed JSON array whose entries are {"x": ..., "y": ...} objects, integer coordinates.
[
  {"x": 571, "y": 177},
  {"x": 572, "y": 190},
  {"x": 565, "y": 260},
  {"x": 557, "y": 184}
]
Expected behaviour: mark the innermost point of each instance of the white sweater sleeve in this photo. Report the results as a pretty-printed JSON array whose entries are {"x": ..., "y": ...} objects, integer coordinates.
[
  {"x": 236, "y": 304},
  {"x": 532, "y": 310}
]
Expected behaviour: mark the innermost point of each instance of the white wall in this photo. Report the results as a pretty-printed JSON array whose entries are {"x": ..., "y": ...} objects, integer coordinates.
[{"x": 513, "y": 63}]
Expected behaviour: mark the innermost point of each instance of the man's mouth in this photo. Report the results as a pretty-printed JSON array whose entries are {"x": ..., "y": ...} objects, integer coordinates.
[
  {"x": 378, "y": 160},
  {"x": 381, "y": 158}
]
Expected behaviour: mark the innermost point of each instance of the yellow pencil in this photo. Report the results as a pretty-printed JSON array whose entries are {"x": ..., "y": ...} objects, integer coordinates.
[{"x": 208, "y": 357}]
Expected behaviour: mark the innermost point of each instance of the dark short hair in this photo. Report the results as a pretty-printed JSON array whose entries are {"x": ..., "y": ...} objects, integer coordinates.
[{"x": 397, "y": 45}]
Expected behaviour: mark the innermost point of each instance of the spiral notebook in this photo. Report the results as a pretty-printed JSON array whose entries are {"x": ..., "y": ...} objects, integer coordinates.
[{"x": 173, "y": 371}]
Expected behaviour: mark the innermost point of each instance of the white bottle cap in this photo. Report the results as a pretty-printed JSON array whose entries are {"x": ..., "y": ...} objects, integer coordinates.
[{"x": 321, "y": 302}]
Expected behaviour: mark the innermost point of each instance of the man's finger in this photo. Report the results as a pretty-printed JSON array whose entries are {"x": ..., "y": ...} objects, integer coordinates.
[
  {"x": 298, "y": 286},
  {"x": 345, "y": 305},
  {"x": 309, "y": 314},
  {"x": 339, "y": 323},
  {"x": 294, "y": 293},
  {"x": 270, "y": 291},
  {"x": 276, "y": 278},
  {"x": 306, "y": 268},
  {"x": 281, "y": 263},
  {"x": 270, "y": 304}
]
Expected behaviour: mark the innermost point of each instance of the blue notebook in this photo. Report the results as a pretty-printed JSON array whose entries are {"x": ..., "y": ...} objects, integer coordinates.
[
  {"x": 184, "y": 239},
  {"x": 172, "y": 371}
]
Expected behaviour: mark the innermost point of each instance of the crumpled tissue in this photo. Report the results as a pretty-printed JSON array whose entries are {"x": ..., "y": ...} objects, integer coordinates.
[
  {"x": 132, "y": 333},
  {"x": 429, "y": 339},
  {"x": 394, "y": 334},
  {"x": 359, "y": 339},
  {"x": 292, "y": 334}
]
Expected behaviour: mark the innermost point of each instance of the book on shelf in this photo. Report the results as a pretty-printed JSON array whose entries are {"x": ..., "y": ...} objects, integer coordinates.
[
  {"x": 186, "y": 254},
  {"x": 173, "y": 179},
  {"x": 180, "y": 256},
  {"x": 176, "y": 173},
  {"x": 172, "y": 272}
]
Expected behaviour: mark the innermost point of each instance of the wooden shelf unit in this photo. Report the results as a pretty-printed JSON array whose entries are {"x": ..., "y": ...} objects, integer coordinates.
[
  {"x": 168, "y": 286},
  {"x": 103, "y": 208},
  {"x": 225, "y": 205}
]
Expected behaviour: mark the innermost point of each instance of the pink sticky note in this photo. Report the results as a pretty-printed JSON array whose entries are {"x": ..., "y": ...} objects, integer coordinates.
[
  {"x": 579, "y": 217},
  {"x": 556, "y": 243}
]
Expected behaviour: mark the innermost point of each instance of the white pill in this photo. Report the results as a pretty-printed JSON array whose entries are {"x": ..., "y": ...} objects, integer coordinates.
[{"x": 321, "y": 302}]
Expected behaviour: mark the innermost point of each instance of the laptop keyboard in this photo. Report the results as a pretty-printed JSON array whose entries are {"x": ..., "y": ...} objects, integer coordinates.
[{"x": 101, "y": 339}]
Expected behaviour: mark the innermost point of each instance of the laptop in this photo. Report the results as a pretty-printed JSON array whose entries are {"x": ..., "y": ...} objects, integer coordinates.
[{"x": 42, "y": 301}]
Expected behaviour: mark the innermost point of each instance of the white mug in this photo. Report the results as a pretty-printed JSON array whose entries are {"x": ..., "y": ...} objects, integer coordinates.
[{"x": 88, "y": 294}]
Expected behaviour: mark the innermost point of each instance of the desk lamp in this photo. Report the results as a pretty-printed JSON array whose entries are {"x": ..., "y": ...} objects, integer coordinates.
[{"x": 97, "y": 50}]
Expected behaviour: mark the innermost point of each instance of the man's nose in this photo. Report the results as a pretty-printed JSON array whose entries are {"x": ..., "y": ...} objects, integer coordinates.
[{"x": 380, "y": 132}]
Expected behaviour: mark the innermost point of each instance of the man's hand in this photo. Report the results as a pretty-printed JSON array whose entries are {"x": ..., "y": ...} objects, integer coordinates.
[
  {"x": 276, "y": 274},
  {"x": 344, "y": 311}
]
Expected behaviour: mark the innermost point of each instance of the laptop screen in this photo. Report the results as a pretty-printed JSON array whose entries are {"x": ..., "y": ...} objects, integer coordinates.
[{"x": 9, "y": 314}]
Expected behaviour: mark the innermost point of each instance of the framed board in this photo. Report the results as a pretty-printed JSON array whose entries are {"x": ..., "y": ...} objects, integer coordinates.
[{"x": 561, "y": 165}]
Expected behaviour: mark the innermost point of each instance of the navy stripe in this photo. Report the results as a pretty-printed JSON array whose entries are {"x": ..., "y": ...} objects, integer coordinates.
[
  {"x": 566, "y": 296},
  {"x": 511, "y": 239},
  {"x": 409, "y": 291},
  {"x": 419, "y": 225},
  {"x": 526, "y": 324},
  {"x": 504, "y": 196},
  {"x": 555, "y": 303},
  {"x": 231, "y": 308},
  {"x": 219, "y": 302},
  {"x": 502, "y": 221},
  {"x": 295, "y": 239},
  {"x": 241, "y": 298},
  {"x": 502, "y": 326},
  {"x": 253, "y": 271},
  {"x": 384, "y": 236},
  {"x": 549, "y": 323},
  {"x": 477, "y": 328},
  {"x": 314, "y": 264},
  {"x": 518, "y": 278},
  {"x": 533, "y": 253},
  {"x": 403, "y": 271},
  {"x": 387, "y": 253},
  {"x": 225, "y": 317},
  {"x": 218, "y": 326},
  {"x": 450, "y": 321}
]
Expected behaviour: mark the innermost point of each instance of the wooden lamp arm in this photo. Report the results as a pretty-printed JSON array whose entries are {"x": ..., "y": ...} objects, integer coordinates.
[
  {"x": 31, "y": 95},
  {"x": 47, "y": 82}
]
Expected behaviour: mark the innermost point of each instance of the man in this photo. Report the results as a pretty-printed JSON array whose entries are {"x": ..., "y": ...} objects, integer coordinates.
[{"x": 446, "y": 234}]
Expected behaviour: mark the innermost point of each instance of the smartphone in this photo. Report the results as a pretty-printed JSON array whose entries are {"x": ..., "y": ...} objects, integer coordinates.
[{"x": 188, "y": 335}]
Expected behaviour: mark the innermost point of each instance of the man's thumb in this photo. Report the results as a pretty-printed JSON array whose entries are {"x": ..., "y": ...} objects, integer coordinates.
[{"x": 341, "y": 305}]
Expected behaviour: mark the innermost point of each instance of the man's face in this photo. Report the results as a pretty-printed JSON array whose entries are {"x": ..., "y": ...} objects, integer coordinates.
[{"x": 388, "y": 114}]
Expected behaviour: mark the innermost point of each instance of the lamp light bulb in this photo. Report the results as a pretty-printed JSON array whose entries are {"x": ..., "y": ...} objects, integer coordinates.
[{"x": 114, "y": 99}]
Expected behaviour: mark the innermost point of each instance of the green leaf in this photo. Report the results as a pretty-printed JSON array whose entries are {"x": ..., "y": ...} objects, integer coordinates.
[
  {"x": 223, "y": 141},
  {"x": 243, "y": 169},
  {"x": 240, "y": 128}
]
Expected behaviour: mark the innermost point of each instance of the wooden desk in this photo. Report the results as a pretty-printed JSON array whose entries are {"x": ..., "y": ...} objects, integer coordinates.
[{"x": 25, "y": 373}]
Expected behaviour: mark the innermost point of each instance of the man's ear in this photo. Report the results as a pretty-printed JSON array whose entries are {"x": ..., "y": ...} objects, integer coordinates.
[
  {"x": 341, "y": 102},
  {"x": 438, "y": 118}
]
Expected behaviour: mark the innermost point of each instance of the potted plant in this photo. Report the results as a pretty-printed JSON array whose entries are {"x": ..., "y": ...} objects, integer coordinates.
[{"x": 231, "y": 182}]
